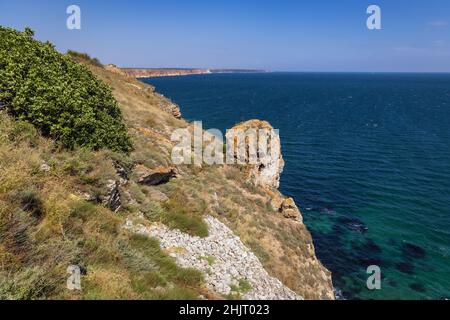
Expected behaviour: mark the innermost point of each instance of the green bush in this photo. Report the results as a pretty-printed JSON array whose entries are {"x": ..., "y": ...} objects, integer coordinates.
[
  {"x": 59, "y": 96},
  {"x": 179, "y": 217},
  {"x": 84, "y": 57}
]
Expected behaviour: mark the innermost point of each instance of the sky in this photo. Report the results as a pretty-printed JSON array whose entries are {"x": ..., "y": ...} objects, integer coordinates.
[{"x": 274, "y": 35}]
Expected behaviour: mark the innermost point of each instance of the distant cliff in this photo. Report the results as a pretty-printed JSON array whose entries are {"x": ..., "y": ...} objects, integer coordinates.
[
  {"x": 174, "y": 72},
  {"x": 151, "y": 73}
]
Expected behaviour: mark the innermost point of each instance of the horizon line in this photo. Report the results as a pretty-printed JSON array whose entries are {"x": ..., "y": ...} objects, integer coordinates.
[{"x": 284, "y": 71}]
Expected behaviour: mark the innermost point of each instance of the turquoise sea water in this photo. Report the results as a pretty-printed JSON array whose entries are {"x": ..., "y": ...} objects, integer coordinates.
[{"x": 367, "y": 160}]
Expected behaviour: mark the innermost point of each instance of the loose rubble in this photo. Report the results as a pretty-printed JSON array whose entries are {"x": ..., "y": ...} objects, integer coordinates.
[{"x": 222, "y": 257}]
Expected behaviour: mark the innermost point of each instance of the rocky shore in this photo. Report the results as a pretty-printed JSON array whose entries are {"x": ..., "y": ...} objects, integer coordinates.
[{"x": 256, "y": 245}]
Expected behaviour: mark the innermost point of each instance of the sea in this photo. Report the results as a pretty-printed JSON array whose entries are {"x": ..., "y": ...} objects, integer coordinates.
[{"x": 367, "y": 161}]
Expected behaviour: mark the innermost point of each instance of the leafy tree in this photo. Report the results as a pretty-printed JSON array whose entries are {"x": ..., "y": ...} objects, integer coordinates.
[{"x": 59, "y": 96}]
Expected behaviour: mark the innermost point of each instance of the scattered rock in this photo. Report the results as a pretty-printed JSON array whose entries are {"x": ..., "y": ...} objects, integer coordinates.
[
  {"x": 230, "y": 261},
  {"x": 87, "y": 197},
  {"x": 285, "y": 206},
  {"x": 45, "y": 167},
  {"x": 155, "y": 177},
  {"x": 338, "y": 294},
  {"x": 172, "y": 108},
  {"x": 121, "y": 171},
  {"x": 290, "y": 210},
  {"x": 112, "y": 198},
  {"x": 168, "y": 106}
]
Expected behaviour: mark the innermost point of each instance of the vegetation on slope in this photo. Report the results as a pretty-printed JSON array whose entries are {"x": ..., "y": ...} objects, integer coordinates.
[
  {"x": 48, "y": 223},
  {"x": 57, "y": 95}
]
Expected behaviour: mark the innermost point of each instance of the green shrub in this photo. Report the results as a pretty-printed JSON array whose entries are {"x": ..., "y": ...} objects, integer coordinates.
[
  {"x": 84, "y": 57},
  {"x": 31, "y": 283},
  {"x": 150, "y": 249},
  {"x": 59, "y": 96},
  {"x": 178, "y": 217},
  {"x": 23, "y": 131}
]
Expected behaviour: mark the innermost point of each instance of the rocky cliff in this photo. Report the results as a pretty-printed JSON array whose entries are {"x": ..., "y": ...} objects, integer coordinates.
[
  {"x": 172, "y": 72},
  {"x": 240, "y": 203},
  {"x": 151, "y": 73},
  {"x": 139, "y": 227}
]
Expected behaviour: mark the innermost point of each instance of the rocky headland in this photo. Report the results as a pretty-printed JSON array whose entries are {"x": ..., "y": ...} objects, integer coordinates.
[
  {"x": 172, "y": 72},
  {"x": 135, "y": 224}
]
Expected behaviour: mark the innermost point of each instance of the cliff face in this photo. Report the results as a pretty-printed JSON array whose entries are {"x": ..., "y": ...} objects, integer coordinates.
[
  {"x": 172, "y": 72},
  {"x": 151, "y": 73},
  {"x": 139, "y": 227},
  {"x": 244, "y": 198}
]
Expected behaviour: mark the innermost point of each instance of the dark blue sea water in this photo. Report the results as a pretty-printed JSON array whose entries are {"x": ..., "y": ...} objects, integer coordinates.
[{"x": 367, "y": 159}]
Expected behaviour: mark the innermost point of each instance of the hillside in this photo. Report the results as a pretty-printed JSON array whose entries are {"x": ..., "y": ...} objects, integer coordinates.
[{"x": 139, "y": 227}]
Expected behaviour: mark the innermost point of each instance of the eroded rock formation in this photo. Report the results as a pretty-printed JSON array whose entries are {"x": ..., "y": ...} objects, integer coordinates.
[{"x": 269, "y": 166}]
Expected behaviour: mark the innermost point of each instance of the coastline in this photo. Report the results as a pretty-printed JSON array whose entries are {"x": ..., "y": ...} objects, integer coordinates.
[
  {"x": 291, "y": 219},
  {"x": 140, "y": 73}
]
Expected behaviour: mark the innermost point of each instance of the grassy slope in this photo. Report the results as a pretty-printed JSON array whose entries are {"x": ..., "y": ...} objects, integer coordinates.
[{"x": 45, "y": 225}]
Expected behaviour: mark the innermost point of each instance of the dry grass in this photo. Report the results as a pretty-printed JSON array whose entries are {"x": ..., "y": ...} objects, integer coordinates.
[{"x": 119, "y": 266}]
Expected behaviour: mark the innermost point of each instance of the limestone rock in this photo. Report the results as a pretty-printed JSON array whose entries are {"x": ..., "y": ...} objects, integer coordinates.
[
  {"x": 45, "y": 167},
  {"x": 221, "y": 256},
  {"x": 114, "y": 69},
  {"x": 170, "y": 107},
  {"x": 156, "y": 176},
  {"x": 290, "y": 210},
  {"x": 112, "y": 199},
  {"x": 269, "y": 165},
  {"x": 87, "y": 197}
]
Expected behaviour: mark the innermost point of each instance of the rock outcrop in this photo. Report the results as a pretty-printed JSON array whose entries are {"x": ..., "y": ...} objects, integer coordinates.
[
  {"x": 266, "y": 171},
  {"x": 112, "y": 199},
  {"x": 290, "y": 210},
  {"x": 277, "y": 236},
  {"x": 167, "y": 106},
  {"x": 269, "y": 166},
  {"x": 114, "y": 69}
]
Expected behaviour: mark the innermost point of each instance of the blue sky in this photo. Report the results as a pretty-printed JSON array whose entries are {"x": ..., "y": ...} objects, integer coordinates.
[{"x": 297, "y": 35}]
